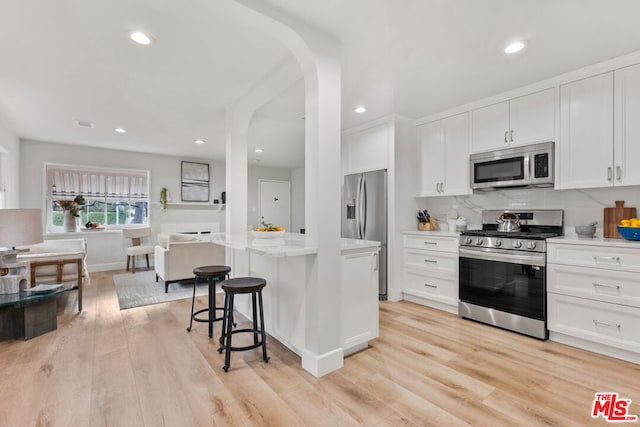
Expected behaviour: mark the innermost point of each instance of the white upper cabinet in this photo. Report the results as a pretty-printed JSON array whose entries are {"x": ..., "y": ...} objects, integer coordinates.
[
  {"x": 519, "y": 121},
  {"x": 626, "y": 149},
  {"x": 366, "y": 150},
  {"x": 444, "y": 147},
  {"x": 585, "y": 149}
]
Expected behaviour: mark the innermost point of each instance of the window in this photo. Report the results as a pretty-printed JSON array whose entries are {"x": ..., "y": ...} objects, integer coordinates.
[{"x": 112, "y": 197}]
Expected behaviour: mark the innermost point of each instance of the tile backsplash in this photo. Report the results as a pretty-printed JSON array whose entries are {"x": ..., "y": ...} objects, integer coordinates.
[{"x": 581, "y": 207}]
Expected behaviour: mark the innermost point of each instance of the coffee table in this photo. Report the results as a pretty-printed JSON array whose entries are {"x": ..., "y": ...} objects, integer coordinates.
[{"x": 29, "y": 314}]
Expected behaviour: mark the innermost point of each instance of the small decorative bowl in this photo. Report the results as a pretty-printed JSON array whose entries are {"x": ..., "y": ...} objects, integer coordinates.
[
  {"x": 585, "y": 230},
  {"x": 630, "y": 233}
]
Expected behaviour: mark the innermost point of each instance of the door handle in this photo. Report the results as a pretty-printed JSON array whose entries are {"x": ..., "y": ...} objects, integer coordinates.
[
  {"x": 511, "y": 135},
  {"x": 505, "y": 136},
  {"x": 599, "y": 323},
  {"x": 596, "y": 285},
  {"x": 609, "y": 173},
  {"x": 377, "y": 264},
  {"x": 431, "y": 286},
  {"x": 442, "y": 187},
  {"x": 618, "y": 173}
]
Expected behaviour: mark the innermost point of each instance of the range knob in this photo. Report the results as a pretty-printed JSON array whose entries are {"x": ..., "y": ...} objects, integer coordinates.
[
  {"x": 468, "y": 240},
  {"x": 479, "y": 242},
  {"x": 498, "y": 243},
  {"x": 531, "y": 245},
  {"x": 517, "y": 244}
]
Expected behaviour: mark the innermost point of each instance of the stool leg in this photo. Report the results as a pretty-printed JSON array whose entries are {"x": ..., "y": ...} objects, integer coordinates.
[
  {"x": 227, "y": 354},
  {"x": 193, "y": 301},
  {"x": 264, "y": 334},
  {"x": 224, "y": 323},
  {"x": 212, "y": 305},
  {"x": 255, "y": 317},
  {"x": 147, "y": 257},
  {"x": 128, "y": 260},
  {"x": 133, "y": 264}
]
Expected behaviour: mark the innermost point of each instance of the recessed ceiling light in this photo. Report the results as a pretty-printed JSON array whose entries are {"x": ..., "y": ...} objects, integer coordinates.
[
  {"x": 360, "y": 109},
  {"x": 514, "y": 47},
  {"x": 120, "y": 130},
  {"x": 140, "y": 38},
  {"x": 258, "y": 150},
  {"x": 199, "y": 141},
  {"x": 84, "y": 123}
]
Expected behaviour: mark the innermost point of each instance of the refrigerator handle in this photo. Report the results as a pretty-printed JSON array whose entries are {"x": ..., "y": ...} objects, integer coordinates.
[
  {"x": 363, "y": 206},
  {"x": 358, "y": 212}
]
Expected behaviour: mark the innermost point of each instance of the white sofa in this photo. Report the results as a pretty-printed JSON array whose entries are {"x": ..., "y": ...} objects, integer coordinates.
[
  {"x": 57, "y": 261},
  {"x": 176, "y": 255}
]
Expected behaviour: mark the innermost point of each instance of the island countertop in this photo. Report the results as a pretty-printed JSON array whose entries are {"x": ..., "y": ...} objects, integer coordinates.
[{"x": 290, "y": 244}]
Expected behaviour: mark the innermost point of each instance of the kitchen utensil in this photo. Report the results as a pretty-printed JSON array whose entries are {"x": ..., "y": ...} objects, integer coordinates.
[
  {"x": 612, "y": 217},
  {"x": 629, "y": 233},
  {"x": 508, "y": 222},
  {"x": 586, "y": 230}
]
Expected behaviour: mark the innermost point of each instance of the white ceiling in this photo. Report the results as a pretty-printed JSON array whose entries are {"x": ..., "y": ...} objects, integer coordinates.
[{"x": 71, "y": 60}]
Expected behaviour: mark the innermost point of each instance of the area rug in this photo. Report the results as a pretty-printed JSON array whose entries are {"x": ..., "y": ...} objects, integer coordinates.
[{"x": 135, "y": 290}]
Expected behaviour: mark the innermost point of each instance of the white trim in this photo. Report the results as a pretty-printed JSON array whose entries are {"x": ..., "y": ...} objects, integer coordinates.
[{"x": 319, "y": 365}]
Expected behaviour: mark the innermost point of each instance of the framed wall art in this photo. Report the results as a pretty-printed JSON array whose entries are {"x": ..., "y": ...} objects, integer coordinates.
[{"x": 195, "y": 182}]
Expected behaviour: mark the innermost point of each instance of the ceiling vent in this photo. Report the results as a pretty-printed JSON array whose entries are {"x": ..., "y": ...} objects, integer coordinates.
[{"x": 84, "y": 124}]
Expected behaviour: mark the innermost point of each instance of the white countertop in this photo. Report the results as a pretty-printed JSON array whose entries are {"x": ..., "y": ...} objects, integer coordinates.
[
  {"x": 290, "y": 244},
  {"x": 595, "y": 241}
]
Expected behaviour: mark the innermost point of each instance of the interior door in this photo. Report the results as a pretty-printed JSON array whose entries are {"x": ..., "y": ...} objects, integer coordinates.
[{"x": 275, "y": 203}]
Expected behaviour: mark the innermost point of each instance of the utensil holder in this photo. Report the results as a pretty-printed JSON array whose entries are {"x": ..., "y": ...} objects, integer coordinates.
[{"x": 428, "y": 226}]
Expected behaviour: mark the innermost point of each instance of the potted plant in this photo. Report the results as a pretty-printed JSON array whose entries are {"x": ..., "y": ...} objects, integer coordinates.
[
  {"x": 71, "y": 209},
  {"x": 163, "y": 197}
]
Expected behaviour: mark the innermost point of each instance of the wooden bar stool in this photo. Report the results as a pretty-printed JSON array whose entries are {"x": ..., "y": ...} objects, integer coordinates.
[
  {"x": 214, "y": 274},
  {"x": 242, "y": 285}
]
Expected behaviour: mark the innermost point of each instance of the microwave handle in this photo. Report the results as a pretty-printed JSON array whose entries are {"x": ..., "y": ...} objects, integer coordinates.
[{"x": 527, "y": 168}]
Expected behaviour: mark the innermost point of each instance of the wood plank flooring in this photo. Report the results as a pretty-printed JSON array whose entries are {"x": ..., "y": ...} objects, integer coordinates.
[{"x": 140, "y": 367}]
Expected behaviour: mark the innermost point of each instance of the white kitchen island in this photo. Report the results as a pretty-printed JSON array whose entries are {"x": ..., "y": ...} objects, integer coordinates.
[{"x": 286, "y": 264}]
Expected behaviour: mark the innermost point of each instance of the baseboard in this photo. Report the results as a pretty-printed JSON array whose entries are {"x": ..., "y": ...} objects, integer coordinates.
[{"x": 319, "y": 365}]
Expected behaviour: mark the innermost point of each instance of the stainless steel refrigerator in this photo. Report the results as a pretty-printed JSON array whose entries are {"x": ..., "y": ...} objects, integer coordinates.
[{"x": 364, "y": 214}]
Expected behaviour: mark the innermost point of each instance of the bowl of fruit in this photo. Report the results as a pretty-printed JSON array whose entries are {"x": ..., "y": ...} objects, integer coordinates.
[
  {"x": 267, "y": 231},
  {"x": 630, "y": 228}
]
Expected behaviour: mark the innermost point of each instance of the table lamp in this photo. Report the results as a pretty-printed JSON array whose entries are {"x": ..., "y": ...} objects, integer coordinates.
[{"x": 17, "y": 227}]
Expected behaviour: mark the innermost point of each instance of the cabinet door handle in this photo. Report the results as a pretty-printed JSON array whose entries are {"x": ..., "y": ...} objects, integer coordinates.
[
  {"x": 600, "y": 285},
  {"x": 505, "y": 136},
  {"x": 431, "y": 286},
  {"x": 615, "y": 259},
  {"x": 599, "y": 323},
  {"x": 618, "y": 173},
  {"x": 431, "y": 261},
  {"x": 431, "y": 243},
  {"x": 376, "y": 266},
  {"x": 511, "y": 135},
  {"x": 609, "y": 173},
  {"x": 442, "y": 187}
]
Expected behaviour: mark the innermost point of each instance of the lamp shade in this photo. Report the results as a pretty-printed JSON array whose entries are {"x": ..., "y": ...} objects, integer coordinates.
[{"x": 20, "y": 227}]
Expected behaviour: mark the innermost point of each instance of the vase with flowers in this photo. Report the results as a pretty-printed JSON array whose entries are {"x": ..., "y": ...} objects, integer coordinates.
[{"x": 71, "y": 210}]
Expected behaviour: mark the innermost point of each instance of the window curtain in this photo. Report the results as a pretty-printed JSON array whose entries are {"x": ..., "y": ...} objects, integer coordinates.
[{"x": 68, "y": 182}]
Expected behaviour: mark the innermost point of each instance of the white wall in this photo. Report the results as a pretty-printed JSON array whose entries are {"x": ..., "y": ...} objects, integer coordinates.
[
  {"x": 10, "y": 179},
  {"x": 581, "y": 207},
  {"x": 297, "y": 199}
]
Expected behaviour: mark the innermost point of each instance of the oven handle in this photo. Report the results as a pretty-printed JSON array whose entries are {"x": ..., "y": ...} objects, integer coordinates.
[{"x": 500, "y": 255}]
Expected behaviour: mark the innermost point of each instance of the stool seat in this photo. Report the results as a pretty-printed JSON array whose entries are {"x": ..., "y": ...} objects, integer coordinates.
[
  {"x": 213, "y": 274},
  {"x": 212, "y": 271},
  {"x": 243, "y": 285}
]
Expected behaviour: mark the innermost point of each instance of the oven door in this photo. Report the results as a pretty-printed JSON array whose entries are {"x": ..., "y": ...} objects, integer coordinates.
[{"x": 509, "y": 281}]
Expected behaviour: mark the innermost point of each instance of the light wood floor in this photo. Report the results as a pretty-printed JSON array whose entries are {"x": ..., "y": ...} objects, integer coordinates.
[{"x": 140, "y": 367}]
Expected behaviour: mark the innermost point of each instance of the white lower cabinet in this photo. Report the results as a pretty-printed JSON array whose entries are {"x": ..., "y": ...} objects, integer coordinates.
[
  {"x": 431, "y": 270},
  {"x": 593, "y": 295}
]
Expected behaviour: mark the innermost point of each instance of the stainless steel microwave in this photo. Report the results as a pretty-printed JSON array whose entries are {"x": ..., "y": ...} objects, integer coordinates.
[{"x": 525, "y": 166}]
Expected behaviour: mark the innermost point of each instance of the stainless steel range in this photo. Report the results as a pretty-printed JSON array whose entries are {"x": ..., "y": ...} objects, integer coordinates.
[{"x": 503, "y": 273}]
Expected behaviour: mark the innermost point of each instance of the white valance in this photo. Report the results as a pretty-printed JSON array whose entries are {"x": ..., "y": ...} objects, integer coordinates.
[{"x": 70, "y": 181}]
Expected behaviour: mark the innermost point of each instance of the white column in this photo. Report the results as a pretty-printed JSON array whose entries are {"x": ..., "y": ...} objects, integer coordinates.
[
  {"x": 236, "y": 172},
  {"x": 319, "y": 58}
]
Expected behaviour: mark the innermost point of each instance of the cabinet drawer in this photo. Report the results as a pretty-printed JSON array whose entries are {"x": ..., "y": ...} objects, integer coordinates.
[
  {"x": 614, "y": 258},
  {"x": 603, "y": 323},
  {"x": 438, "y": 286},
  {"x": 618, "y": 287},
  {"x": 432, "y": 243},
  {"x": 431, "y": 260}
]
